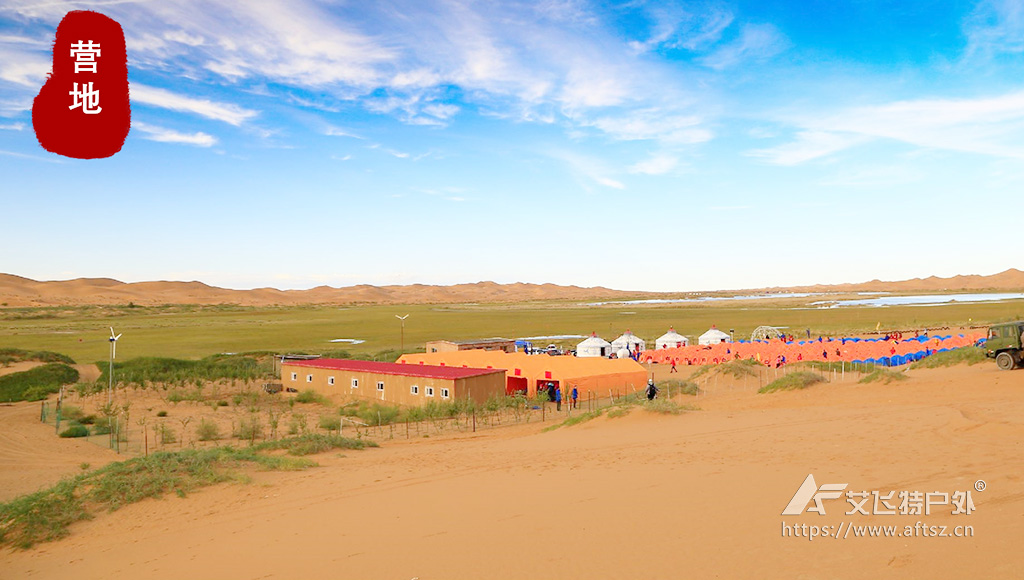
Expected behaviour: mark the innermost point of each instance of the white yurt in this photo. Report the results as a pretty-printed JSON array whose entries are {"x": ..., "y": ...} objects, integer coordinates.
[
  {"x": 594, "y": 346},
  {"x": 671, "y": 339},
  {"x": 628, "y": 342},
  {"x": 713, "y": 336}
]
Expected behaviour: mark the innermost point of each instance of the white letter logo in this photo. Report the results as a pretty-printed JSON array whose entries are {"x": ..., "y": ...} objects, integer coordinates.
[{"x": 808, "y": 490}]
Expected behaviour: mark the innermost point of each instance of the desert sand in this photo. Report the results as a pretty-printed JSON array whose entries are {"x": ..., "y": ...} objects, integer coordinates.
[{"x": 695, "y": 495}]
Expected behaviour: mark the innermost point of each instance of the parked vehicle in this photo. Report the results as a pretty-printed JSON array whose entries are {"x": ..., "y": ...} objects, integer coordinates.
[{"x": 1004, "y": 344}]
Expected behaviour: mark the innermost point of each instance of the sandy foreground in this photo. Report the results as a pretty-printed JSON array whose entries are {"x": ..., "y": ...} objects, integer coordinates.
[{"x": 697, "y": 495}]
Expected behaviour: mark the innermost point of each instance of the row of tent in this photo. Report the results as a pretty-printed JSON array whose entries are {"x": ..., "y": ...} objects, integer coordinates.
[
  {"x": 630, "y": 345},
  {"x": 891, "y": 352}
]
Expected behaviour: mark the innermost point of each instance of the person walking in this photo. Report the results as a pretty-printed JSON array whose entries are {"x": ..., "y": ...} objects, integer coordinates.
[
  {"x": 652, "y": 391},
  {"x": 575, "y": 395},
  {"x": 673, "y": 369},
  {"x": 558, "y": 398}
]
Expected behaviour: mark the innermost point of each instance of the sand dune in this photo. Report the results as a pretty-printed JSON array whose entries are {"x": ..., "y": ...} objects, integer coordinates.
[
  {"x": 698, "y": 495},
  {"x": 19, "y": 291}
]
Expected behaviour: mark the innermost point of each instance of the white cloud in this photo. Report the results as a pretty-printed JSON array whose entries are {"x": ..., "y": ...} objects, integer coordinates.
[
  {"x": 755, "y": 42},
  {"x": 659, "y": 164},
  {"x": 609, "y": 182},
  {"x": 587, "y": 170},
  {"x": 24, "y": 68},
  {"x": 333, "y": 131},
  {"x": 164, "y": 135},
  {"x": 544, "y": 62},
  {"x": 808, "y": 145},
  {"x": 994, "y": 26},
  {"x": 986, "y": 125},
  {"x": 13, "y": 127},
  {"x": 228, "y": 113},
  {"x": 653, "y": 123}
]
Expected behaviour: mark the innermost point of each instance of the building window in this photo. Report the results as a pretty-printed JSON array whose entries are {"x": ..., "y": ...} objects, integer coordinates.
[
  {"x": 295, "y": 376},
  {"x": 444, "y": 393},
  {"x": 330, "y": 380},
  {"x": 415, "y": 390},
  {"x": 309, "y": 378},
  {"x": 380, "y": 386},
  {"x": 430, "y": 391},
  {"x": 355, "y": 383}
]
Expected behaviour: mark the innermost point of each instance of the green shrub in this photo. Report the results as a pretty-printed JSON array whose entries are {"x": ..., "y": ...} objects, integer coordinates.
[
  {"x": 330, "y": 423},
  {"x": 250, "y": 428},
  {"x": 577, "y": 419},
  {"x": 35, "y": 384},
  {"x": 46, "y": 515},
  {"x": 207, "y": 430},
  {"x": 8, "y": 355},
  {"x": 666, "y": 407},
  {"x": 75, "y": 430},
  {"x": 311, "y": 396},
  {"x": 297, "y": 425},
  {"x": 682, "y": 387},
  {"x": 166, "y": 435},
  {"x": 883, "y": 375},
  {"x": 314, "y": 443},
  {"x": 378, "y": 414},
  {"x": 143, "y": 370},
  {"x": 792, "y": 381},
  {"x": 969, "y": 355},
  {"x": 161, "y": 413}
]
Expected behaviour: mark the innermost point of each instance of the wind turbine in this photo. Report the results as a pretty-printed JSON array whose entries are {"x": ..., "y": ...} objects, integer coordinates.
[
  {"x": 402, "y": 318},
  {"x": 113, "y": 353}
]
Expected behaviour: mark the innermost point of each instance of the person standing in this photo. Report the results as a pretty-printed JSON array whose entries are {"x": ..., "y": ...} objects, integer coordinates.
[
  {"x": 558, "y": 398},
  {"x": 575, "y": 395}
]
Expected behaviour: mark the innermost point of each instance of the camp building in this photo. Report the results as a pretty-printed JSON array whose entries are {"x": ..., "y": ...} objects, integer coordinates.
[
  {"x": 532, "y": 372},
  {"x": 401, "y": 384},
  {"x": 502, "y": 344}
]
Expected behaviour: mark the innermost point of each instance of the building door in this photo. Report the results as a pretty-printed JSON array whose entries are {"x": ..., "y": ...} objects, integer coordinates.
[{"x": 514, "y": 385}]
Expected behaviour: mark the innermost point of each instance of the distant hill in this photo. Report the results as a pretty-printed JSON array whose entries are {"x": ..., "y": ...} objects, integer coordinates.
[
  {"x": 16, "y": 291},
  {"x": 1011, "y": 279}
]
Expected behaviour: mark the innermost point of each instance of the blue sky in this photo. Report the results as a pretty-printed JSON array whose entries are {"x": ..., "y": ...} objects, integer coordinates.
[{"x": 638, "y": 145}]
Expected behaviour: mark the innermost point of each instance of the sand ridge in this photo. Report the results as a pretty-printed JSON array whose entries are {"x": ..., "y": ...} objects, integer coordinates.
[{"x": 644, "y": 496}]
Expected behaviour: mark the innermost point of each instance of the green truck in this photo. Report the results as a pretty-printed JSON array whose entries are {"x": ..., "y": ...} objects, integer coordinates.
[{"x": 1004, "y": 344}]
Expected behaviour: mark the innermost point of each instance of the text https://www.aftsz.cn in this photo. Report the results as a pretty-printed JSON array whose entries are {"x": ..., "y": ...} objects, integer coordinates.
[{"x": 846, "y": 530}]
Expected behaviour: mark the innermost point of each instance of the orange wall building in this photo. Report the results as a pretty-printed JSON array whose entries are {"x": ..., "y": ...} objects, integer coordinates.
[
  {"x": 392, "y": 383},
  {"x": 526, "y": 372}
]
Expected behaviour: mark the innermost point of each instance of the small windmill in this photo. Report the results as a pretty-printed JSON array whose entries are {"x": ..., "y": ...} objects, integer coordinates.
[
  {"x": 402, "y": 318},
  {"x": 113, "y": 353}
]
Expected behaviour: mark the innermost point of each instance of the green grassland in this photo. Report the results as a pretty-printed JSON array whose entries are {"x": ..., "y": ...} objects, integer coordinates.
[{"x": 189, "y": 331}]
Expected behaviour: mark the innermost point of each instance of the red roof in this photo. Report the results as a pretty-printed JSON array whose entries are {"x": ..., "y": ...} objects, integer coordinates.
[{"x": 385, "y": 368}]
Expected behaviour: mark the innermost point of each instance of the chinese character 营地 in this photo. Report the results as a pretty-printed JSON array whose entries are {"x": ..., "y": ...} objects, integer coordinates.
[
  {"x": 87, "y": 98},
  {"x": 85, "y": 53}
]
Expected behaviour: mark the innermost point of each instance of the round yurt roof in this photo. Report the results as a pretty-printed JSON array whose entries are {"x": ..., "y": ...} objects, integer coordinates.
[
  {"x": 628, "y": 338},
  {"x": 594, "y": 341},
  {"x": 714, "y": 334},
  {"x": 672, "y": 336}
]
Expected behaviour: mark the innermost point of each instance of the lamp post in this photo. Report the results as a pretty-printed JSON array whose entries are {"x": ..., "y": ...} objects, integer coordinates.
[{"x": 402, "y": 318}]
